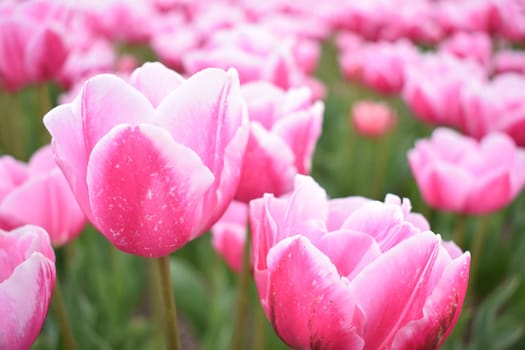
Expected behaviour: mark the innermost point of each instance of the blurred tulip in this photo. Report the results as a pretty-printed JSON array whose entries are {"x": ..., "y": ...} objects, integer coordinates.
[
  {"x": 284, "y": 128},
  {"x": 373, "y": 119},
  {"x": 498, "y": 105},
  {"x": 457, "y": 173},
  {"x": 352, "y": 273},
  {"x": 156, "y": 161},
  {"x": 27, "y": 280},
  {"x": 509, "y": 61},
  {"x": 38, "y": 194},
  {"x": 229, "y": 234},
  {"x": 433, "y": 88},
  {"x": 380, "y": 66},
  {"x": 475, "y": 46},
  {"x": 33, "y": 44}
]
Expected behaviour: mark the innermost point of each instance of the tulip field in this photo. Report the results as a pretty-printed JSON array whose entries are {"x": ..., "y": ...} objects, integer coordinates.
[{"x": 241, "y": 174}]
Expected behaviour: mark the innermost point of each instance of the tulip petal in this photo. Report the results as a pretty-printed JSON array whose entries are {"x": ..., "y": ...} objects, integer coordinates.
[
  {"x": 341, "y": 208},
  {"x": 146, "y": 190},
  {"x": 155, "y": 81},
  {"x": 489, "y": 194},
  {"x": 46, "y": 201},
  {"x": 300, "y": 131},
  {"x": 349, "y": 251},
  {"x": 309, "y": 304},
  {"x": 441, "y": 310},
  {"x": 392, "y": 289},
  {"x": 267, "y": 167},
  {"x": 106, "y": 101},
  {"x": 70, "y": 152},
  {"x": 25, "y": 294}
]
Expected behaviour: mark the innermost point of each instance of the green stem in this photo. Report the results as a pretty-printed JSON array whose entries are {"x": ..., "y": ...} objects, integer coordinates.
[
  {"x": 459, "y": 232},
  {"x": 44, "y": 106},
  {"x": 172, "y": 330},
  {"x": 477, "y": 249},
  {"x": 243, "y": 286},
  {"x": 381, "y": 166},
  {"x": 259, "y": 338},
  {"x": 62, "y": 318}
]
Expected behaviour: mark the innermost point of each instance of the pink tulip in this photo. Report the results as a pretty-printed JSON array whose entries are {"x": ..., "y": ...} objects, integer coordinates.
[
  {"x": 42, "y": 185},
  {"x": 156, "y": 161},
  {"x": 475, "y": 46},
  {"x": 380, "y": 66},
  {"x": 509, "y": 61},
  {"x": 373, "y": 119},
  {"x": 433, "y": 88},
  {"x": 457, "y": 173},
  {"x": 27, "y": 280},
  {"x": 229, "y": 234},
  {"x": 256, "y": 53},
  {"x": 352, "y": 273},
  {"x": 498, "y": 105},
  {"x": 284, "y": 128},
  {"x": 33, "y": 45}
]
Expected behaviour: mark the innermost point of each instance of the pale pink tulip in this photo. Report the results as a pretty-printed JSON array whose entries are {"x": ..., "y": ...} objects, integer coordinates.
[
  {"x": 498, "y": 105},
  {"x": 229, "y": 234},
  {"x": 27, "y": 280},
  {"x": 373, "y": 119},
  {"x": 433, "y": 88},
  {"x": 380, "y": 66},
  {"x": 509, "y": 61},
  {"x": 37, "y": 193},
  {"x": 156, "y": 161},
  {"x": 284, "y": 128},
  {"x": 352, "y": 273},
  {"x": 256, "y": 53},
  {"x": 457, "y": 173},
  {"x": 475, "y": 46},
  {"x": 33, "y": 44}
]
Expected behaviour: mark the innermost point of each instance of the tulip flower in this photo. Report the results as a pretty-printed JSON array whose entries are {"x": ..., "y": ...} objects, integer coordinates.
[
  {"x": 27, "y": 280},
  {"x": 373, "y": 119},
  {"x": 155, "y": 161},
  {"x": 33, "y": 45},
  {"x": 498, "y": 105},
  {"x": 284, "y": 128},
  {"x": 229, "y": 234},
  {"x": 353, "y": 273},
  {"x": 459, "y": 174},
  {"x": 41, "y": 184},
  {"x": 434, "y": 85}
]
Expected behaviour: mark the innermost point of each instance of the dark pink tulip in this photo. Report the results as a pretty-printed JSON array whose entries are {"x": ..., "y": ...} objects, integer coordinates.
[
  {"x": 380, "y": 66},
  {"x": 457, "y": 173},
  {"x": 27, "y": 280},
  {"x": 373, "y": 119},
  {"x": 229, "y": 234},
  {"x": 498, "y": 105},
  {"x": 37, "y": 193},
  {"x": 468, "y": 15},
  {"x": 156, "y": 161},
  {"x": 284, "y": 128},
  {"x": 352, "y": 273},
  {"x": 33, "y": 44},
  {"x": 433, "y": 88}
]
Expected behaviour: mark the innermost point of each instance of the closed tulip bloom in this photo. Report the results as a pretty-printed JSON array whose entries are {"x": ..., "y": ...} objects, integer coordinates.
[
  {"x": 153, "y": 162},
  {"x": 352, "y": 273},
  {"x": 42, "y": 184},
  {"x": 284, "y": 128},
  {"x": 373, "y": 119},
  {"x": 457, "y": 173},
  {"x": 33, "y": 45},
  {"x": 498, "y": 105},
  {"x": 27, "y": 280},
  {"x": 229, "y": 234}
]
